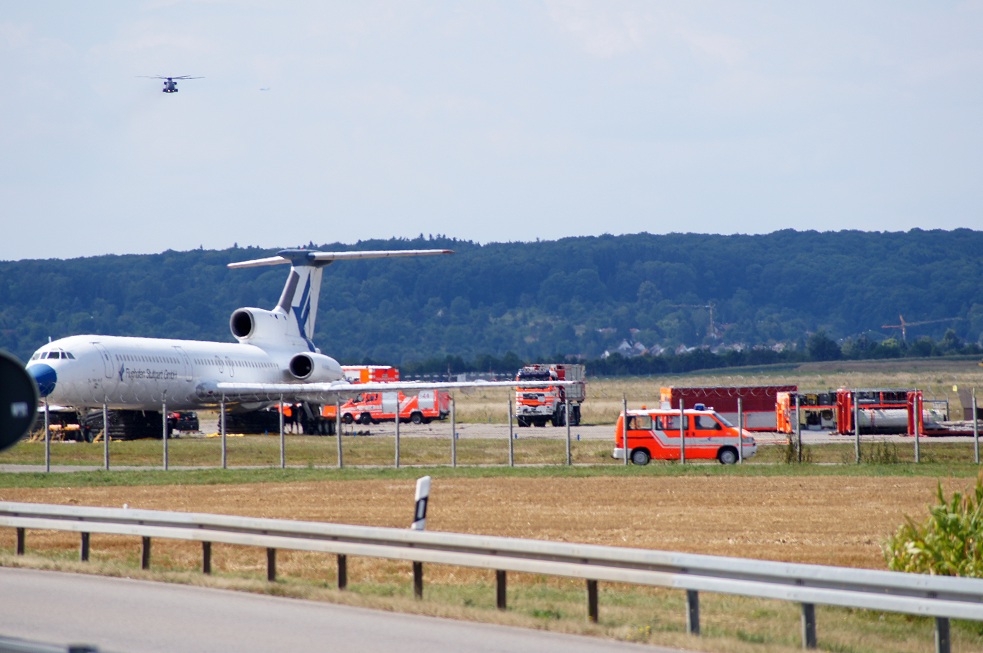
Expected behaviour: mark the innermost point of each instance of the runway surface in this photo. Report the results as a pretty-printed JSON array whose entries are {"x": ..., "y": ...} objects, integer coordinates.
[{"x": 130, "y": 616}]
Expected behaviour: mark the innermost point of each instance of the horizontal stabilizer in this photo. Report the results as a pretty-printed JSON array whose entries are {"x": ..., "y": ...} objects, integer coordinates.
[{"x": 301, "y": 256}]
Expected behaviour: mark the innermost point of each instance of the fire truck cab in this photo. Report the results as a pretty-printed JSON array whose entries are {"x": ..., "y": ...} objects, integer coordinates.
[{"x": 655, "y": 433}]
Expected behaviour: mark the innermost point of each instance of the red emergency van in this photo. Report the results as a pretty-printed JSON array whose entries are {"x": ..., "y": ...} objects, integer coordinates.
[{"x": 705, "y": 435}]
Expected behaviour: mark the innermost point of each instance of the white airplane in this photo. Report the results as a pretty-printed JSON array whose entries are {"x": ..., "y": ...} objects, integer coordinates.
[{"x": 275, "y": 358}]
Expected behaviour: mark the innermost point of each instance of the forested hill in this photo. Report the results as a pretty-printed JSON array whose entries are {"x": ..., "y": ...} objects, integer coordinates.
[{"x": 575, "y": 296}]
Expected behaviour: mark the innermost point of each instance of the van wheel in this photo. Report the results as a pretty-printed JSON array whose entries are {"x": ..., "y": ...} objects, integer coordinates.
[
  {"x": 347, "y": 418},
  {"x": 416, "y": 418},
  {"x": 727, "y": 456},
  {"x": 522, "y": 421},
  {"x": 640, "y": 457},
  {"x": 366, "y": 419}
]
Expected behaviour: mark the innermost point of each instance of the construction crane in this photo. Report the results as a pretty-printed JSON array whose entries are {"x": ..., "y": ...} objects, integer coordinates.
[
  {"x": 904, "y": 325},
  {"x": 711, "y": 329}
]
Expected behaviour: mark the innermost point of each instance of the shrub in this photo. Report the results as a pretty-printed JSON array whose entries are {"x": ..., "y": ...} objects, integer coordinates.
[{"x": 949, "y": 543}]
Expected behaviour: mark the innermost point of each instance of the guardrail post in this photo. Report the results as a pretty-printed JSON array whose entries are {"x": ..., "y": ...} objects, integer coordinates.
[
  {"x": 942, "y": 635},
  {"x": 808, "y": 625},
  {"x": 592, "y": 601},
  {"x": 145, "y": 554},
  {"x": 342, "y": 565},
  {"x": 84, "y": 548},
  {"x": 692, "y": 612},
  {"x": 20, "y": 541},
  {"x": 206, "y": 557},
  {"x": 500, "y": 586},
  {"x": 271, "y": 564},
  {"x": 418, "y": 579}
]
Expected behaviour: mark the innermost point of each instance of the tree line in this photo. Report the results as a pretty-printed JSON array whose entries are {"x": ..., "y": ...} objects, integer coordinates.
[{"x": 638, "y": 303}]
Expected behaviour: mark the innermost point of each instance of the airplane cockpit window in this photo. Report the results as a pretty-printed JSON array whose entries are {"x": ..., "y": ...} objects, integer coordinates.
[{"x": 53, "y": 354}]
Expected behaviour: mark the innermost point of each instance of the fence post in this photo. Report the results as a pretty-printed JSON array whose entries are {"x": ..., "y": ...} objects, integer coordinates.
[
  {"x": 682, "y": 433},
  {"x": 20, "y": 541},
  {"x": 105, "y": 436},
  {"x": 84, "y": 548},
  {"x": 163, "y": 417},
  {"x": 624, "y": 428},
  {"x": 918, "y": 410},
  {"x": 692, "y": 612},
  {"x": 145, "y": 554},
  {"x": 566, "y": 418},
  {"x": 592, "y": 601},
  {"x": 740, "y": 429},
  {"x": 798, "y": 427},
  {"x": 453, "y": 433},
  {"x": 221, "y": 420},
  {"x": 500, "y": 587},
  {"x": 856, "y": 426},
  {"x": 47, "y": 437},
  {"x": 206, "y": 558},
  {"x": 397, "y": 430},
  {"x": 976, "y": 431},
  {"x": 337, "y": 430},
  {"x": 283, "y": 439},
  {"x": 808, "y": 625},
  {"x": 511, "y": 445}
]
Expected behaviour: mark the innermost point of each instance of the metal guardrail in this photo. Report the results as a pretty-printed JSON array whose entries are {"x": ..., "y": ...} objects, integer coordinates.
[{"x": 943, "y": 598}]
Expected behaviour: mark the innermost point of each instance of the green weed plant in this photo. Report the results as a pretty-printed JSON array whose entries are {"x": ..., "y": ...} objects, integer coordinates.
[{"x": 949, "y": 543}]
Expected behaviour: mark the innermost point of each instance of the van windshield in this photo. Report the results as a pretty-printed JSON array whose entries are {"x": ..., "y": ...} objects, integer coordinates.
[{"x": 724, "y": 420}]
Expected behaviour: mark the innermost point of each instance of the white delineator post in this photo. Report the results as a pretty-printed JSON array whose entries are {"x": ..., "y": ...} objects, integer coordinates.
[{"x": 420, "y": 508}]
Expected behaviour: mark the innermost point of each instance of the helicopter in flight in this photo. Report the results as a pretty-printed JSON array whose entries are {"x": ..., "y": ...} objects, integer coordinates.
[{"x": 170, "y": 83}]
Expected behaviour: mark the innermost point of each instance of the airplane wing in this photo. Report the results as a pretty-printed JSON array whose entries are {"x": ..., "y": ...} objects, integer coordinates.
[{"x": 331, "y": 392}]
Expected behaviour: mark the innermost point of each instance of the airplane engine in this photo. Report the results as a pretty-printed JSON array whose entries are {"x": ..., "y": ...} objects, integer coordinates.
[
  {"x": 256, "y": 326},
  {"x": 315, "y": 368}
]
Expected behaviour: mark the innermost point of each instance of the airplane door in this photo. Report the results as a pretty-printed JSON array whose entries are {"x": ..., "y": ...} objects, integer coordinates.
[
  {"x": 185, "y": 363},
  {"x": 232, "y": 369},
  {"x": 107, "y": 360},
  {"x": 390, "y": 402}
]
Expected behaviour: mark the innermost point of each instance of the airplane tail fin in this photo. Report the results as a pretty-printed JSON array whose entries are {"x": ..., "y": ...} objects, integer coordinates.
[{"x": 299, "y": 299}]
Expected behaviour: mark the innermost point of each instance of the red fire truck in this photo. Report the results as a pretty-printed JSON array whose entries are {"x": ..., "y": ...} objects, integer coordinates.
[{"x": 375, "y": 407}]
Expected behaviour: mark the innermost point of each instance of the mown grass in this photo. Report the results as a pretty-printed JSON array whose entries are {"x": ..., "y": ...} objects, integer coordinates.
[{"x": 380, "y": 451}]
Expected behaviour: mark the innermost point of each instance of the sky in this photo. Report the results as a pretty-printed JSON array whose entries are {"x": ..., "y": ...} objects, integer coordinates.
[{"x": 325, "y": 121}]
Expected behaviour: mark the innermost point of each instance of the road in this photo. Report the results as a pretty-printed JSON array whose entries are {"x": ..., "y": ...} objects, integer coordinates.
[{"x": 132, "y": 616}]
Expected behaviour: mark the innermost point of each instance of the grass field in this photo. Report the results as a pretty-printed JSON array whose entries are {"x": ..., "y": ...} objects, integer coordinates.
[{"x": 835, "y": 513}]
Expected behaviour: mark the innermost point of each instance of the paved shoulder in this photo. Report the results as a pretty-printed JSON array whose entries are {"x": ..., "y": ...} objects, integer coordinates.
[{"x": 130, "y": 616}]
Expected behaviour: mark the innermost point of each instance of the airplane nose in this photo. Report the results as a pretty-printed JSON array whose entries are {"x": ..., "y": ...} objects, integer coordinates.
[{"x": 45, "y": 376}]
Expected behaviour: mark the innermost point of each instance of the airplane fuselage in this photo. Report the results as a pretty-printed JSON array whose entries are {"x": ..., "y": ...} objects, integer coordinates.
[{"x": 89, "y": 371}]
